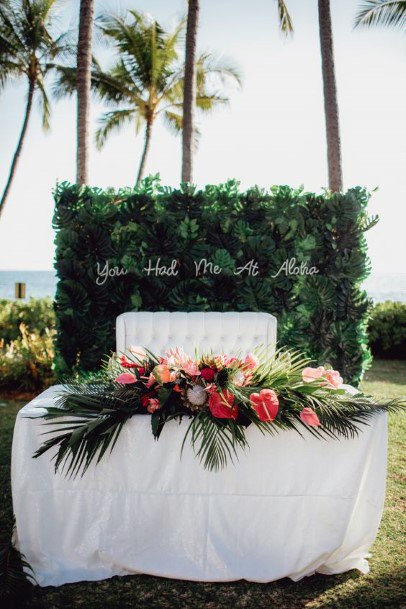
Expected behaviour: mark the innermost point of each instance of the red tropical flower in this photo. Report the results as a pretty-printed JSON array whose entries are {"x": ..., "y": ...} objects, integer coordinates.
[
  {"x": 222, "y": 405},
  {"x": 207, "y": 374},
  {"x": 265, "y": 403},
  {"x": 125, "y": 363},
  {"x": 146, "y": 398}
]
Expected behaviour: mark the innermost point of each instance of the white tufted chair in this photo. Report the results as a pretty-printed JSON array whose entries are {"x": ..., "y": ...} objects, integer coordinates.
[{"x": 207, "y": 331}]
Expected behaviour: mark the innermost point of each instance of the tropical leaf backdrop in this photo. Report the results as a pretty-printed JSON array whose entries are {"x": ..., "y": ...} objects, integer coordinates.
[{"x": 324, "y": 314}]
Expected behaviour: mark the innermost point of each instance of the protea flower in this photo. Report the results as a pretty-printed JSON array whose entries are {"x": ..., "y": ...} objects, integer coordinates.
[{"x": 196, "y": 397}]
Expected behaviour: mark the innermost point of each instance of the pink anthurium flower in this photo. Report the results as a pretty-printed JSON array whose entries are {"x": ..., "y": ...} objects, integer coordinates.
[
  {"x": 330, "y": 378},
  {"x": 265, "y": 403},
  {"x": 126, "y": 378},
  {"x": 309, "y": 417},
  {"x": 333, "y": 379},
  {"x": 310, "y": 374}
]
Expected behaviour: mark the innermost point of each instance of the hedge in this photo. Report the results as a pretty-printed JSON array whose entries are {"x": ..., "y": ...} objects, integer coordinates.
[
  {"x": 387, "y": 330},
  {"x": 26, "y": 344},
  {"x": 325, "y": 314},
  {"x": 37, "y": 314}
]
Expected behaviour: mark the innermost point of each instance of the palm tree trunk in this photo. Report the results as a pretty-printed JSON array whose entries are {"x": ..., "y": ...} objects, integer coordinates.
[
  {"x": 143, "y": 161},
  {"x": 84, "y": 62},
  {"x": 189, "y": 91},
  {"x": 19, "y": 145},
  {"x": 335, "y": 176}
]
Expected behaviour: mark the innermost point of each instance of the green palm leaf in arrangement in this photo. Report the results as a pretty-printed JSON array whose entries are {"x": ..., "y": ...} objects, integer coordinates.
[{"x": 221, "y": 395}]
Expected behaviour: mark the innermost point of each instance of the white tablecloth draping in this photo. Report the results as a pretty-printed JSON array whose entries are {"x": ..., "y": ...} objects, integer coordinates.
[{"x": 289, "y": 508}]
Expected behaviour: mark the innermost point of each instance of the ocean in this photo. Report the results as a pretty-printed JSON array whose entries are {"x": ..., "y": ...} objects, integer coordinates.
[{"x": 379, "y": 286}]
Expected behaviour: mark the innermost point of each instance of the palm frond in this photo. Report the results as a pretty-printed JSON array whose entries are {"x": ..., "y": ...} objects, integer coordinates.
[
  {"x": 9, "y": 70},
  {"x": 213, "y": 441},
  {"x": 207, "y": 103},
  {"x": 114, "y": 86},
  {"x": 174, "y": 121},
  {"x": 113, "y": 121},
  {"x": 285, "y": 21},
  {"x": 211, "y": 70},
  {"x": 16, "y": 574},
  {"x": 65, "y": 81},
  {"x": 44, "y": 105},
  {"x": 87, "y": 420},
  {"x": 387, "y": 13}
]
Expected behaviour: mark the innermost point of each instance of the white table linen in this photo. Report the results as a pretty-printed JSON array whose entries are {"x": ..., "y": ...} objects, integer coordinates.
[{"x": 289, "y": 507}]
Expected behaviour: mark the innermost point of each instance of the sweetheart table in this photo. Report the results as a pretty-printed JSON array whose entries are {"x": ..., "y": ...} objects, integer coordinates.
[{"x": 289, "y": 507}]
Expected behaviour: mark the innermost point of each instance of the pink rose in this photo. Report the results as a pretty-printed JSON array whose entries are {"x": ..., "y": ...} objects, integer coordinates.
[
  {"x": 309, "y": 417},
  {"x": 251, "y": 361},
  {"x": 126, "y": 378},
  {"x": 222, "y": 406},
  {"x": 153, "y": 404},
  {"x": 310, "y": 374},
  {"x": 333, "y": 378},
  {"x": 265, "y": 403}
]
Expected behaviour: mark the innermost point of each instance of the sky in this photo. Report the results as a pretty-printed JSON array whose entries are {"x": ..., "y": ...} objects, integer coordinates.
[{"x": 272, "y": 132}]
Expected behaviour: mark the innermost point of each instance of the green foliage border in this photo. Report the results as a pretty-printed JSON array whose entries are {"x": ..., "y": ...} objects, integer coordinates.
[{"x": 325, "y": 315}]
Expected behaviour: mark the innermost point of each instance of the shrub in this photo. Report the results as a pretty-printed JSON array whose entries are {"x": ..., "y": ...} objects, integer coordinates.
[
  {"x": 37, "y": 314},
  {"x": 26, "y": 363},
  {"x": 387, "y": 330}
]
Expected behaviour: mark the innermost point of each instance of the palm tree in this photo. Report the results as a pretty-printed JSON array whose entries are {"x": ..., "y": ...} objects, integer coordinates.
[
  {"x": 189, "y": 92},
  {"x": 335, "y": 177},
  {"x": 390, "y": 13},
  {"x": 188, "y": 136},
  {"x": 27, "y": 50},
  {"x": 84, "y": 64},
  {"x": 147, "y": 80}
]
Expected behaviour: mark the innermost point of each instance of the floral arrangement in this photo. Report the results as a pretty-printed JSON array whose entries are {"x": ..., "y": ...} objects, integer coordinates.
[{"x": 221, "y": 394}]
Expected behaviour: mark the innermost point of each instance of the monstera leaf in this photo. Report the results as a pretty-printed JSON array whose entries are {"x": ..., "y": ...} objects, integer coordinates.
[
  {"x": 185, "y": 297},
  {"x": 98, "y": 209},
  {"x": 72, "y": 298},
  {"x": 255, "y": 295},
  {"x": 98, "y": 242}
]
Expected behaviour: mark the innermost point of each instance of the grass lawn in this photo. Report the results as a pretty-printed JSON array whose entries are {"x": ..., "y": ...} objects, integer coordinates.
[{"x": 384, "y": 587}]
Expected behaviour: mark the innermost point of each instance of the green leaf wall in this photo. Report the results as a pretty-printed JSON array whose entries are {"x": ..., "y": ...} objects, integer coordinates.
[{"x": 323, "y": 314}]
